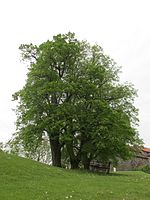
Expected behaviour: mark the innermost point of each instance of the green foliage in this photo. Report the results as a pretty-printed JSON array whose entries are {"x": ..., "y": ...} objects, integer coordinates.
[
  {"x": 73, "y": 95},
  {"x": 146, "y": 169},
  {"x": 41, "y": 153},
  {"x": 23, "y": 179}
]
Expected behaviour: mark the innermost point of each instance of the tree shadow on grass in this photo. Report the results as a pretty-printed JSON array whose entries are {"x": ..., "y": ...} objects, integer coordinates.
[{"x": 83, "y": 171}]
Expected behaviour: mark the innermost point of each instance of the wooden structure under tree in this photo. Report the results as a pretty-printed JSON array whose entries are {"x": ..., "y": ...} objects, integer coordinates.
[{"x": 100, "y": 167}]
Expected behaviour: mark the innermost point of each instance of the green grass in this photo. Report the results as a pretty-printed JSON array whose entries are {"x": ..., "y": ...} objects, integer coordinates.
[{"x": 24, "y": 179}]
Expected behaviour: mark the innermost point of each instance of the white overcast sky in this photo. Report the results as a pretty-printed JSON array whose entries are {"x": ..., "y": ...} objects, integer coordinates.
[{"x": 121, "y": 27}]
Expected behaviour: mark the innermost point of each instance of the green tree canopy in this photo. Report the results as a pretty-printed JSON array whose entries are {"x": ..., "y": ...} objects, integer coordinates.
[{"x": 73, "y": 95}]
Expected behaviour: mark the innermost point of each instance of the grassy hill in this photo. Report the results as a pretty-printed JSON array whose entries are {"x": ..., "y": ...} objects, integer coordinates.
[{"x": 24, "y": 179}]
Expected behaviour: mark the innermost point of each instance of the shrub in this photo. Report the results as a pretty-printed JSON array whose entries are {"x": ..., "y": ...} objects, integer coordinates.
[{"x": 146, "y": 169}]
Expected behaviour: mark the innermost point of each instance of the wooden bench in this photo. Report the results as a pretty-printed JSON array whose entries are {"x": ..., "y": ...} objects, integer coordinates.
[{"x": 99, "y": 167}]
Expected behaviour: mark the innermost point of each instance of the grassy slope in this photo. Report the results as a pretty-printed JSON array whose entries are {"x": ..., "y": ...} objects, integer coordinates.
[{"x": 23, "y": 179}]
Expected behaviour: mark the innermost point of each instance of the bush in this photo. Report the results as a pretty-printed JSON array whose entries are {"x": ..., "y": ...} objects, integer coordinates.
[{"x": 146, "y": 169}]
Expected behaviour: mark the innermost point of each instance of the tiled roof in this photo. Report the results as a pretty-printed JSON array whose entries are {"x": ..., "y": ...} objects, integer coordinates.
[{"x": 146, "y": 149}]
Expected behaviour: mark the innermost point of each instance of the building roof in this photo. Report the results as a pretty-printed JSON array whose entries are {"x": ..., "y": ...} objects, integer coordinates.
[{"x": 146, "y": 149}]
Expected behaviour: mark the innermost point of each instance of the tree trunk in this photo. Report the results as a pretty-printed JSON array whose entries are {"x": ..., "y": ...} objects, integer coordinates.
[
  {"x": 86, "y": 165},
  {"x": 85, "y": 161},
  {"x": 74, "y": 161},
  {"x": 56, "y": 152},
  {"x": 108, "y": 170},
  {"x": 54, "y": 142}
]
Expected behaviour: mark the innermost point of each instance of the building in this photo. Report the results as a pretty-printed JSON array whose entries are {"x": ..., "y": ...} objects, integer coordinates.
[{"x": 142, "y": 158}]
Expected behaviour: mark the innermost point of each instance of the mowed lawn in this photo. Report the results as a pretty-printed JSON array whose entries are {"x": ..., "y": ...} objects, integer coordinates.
[{"x": 24, "y": 179}]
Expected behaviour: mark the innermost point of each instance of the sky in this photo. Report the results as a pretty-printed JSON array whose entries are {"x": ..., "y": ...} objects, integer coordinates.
[{"x": 120, "y": 27}]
